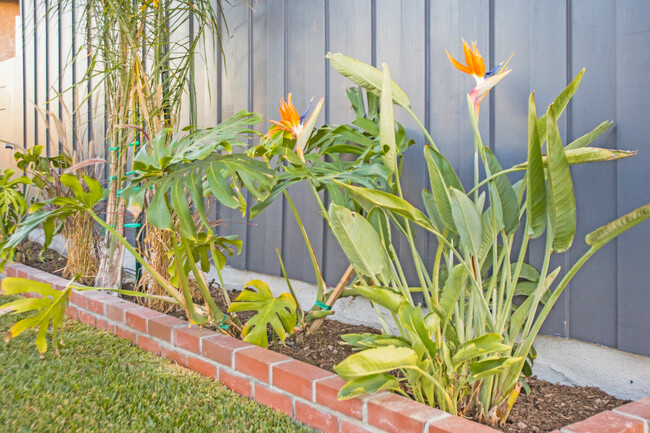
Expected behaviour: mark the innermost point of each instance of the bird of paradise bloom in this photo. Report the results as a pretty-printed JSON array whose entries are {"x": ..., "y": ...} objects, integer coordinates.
[
  {"x": 476, "y": 68},
  {"x": 294, "y": 125}
]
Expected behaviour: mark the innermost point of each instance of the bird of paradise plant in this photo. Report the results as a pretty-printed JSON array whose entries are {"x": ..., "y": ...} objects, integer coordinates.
[{"x": 464, "y": 350}]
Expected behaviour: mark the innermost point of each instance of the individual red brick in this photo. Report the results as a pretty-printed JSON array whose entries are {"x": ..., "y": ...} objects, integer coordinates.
[
  {"x": 327, "y": 394},
  {"x": 72, "y": 311},
  {"x": 313, "y": 417},
  {"x": 86, "y": 318},
  {"x": 239, "y": 384},
  {"x": 40, "y": 276},
  {"x": 126, "y": 333},
  {"x": 136, "y": 318},
  {"x": 161, "y": 327},
  {"x": 115, "y": 310},
  {"x": 639, "y": 409},
  {"x": 220, "y": 348},
  {"x": 256, "y": 361},
  {"x": 455, "y": 424},
  {"x": 398, "y": 414},
  {"x": 57, "y": 283},
  {"x": 174, "y": 355},
  {"x": 348, "y": 427},
  {"x": 201, "y": 367},
  {"x": 607, "y": 422},
  {"x": 190, "y": 338},
  {"x": 298, "y": 378},
  {"x": 77, "y": 298},
  {"x": 96, "y": 303},
  {"x": 273, "y": 399},
  {"x": 148, "y": 344},
  {"x": 11, "y": 269},
  {"x": 23, "y": 272},
  {"x": 104, "y": 325}
]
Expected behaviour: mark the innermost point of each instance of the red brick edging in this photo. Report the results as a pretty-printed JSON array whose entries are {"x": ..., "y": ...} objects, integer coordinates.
[{"x": 300, "y": 390}]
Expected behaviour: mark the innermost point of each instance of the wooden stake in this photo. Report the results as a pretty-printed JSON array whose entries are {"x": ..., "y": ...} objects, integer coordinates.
[{"x": 334, "y": 296}]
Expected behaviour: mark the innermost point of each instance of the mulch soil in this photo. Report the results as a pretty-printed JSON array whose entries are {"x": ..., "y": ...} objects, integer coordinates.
[{"x": 548, "y": 407}]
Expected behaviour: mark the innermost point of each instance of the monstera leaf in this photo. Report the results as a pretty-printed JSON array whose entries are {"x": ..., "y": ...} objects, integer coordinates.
[
  {"x": 279, "y": 312},
  {"x": 50, "y": 308}
]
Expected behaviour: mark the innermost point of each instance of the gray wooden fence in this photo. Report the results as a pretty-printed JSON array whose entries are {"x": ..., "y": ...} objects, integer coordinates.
[{"x": 279, "y": 47}]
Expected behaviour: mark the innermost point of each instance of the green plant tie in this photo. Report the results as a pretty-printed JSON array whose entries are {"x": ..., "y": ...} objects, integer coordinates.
[
  {"x": 323, "y": 306},
  {"x": 119, "y": 192},
  {"x": 113, "y": 149},
  {"x": 130, "y": 173},
  {"x": 112, "y": 178},
  {"x": 135, "y": 143},
  {"x": 132, "y": 225},
  {"x": 221, "y": 324}
]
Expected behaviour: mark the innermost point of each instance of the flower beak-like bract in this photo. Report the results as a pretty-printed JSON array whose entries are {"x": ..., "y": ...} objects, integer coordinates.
[{"x": 476, "y": 68}]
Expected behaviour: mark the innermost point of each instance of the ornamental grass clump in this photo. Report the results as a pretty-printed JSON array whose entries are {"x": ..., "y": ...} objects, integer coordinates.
[{"x": 464, "y": 349}]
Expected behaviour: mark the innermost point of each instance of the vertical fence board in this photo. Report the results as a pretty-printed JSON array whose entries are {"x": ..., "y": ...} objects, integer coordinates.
[
  {"x": 593, "y": 290},
  {"x": 29, "y": 73},
  {"x": 305, "y": 78},
  {"x": 633, "y": 111},
  {"x": 349, "y": 34}
]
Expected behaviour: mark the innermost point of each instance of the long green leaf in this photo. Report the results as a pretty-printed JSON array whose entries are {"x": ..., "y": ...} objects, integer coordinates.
[
  {"x": 507, "y": 196},
  {"x": 535, "y": 182},
  {"x": 560, "y": 103},
  {"x": 387, "y": 124},
  {"x": 606, "y": 233},
  {"x": 562, "y": 203},
  {"x": 361, "y": 243},
  {"x": 589, "y": 137},
  {"x": 366, "y": 76},
  {"x": 368, "y": 384},
  {"x": 375, "y": 361},
  {"x": 442, "y": 176},
  {"x": 467, "y": 221}
]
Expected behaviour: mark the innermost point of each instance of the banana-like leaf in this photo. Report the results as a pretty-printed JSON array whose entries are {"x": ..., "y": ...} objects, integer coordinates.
[
  {"x": 384, "y": 296},
  {"x": 361, "y": 243},
  {"x": 432, "y": 210},
  {"x": 454, "y": 284},
  {"x": 278, "y": 312},
  {"x": 561, "y": 198},
  {"x": 483, "y": 345},
  {"x": 369, "y": 198},
  {"x": 368, "y": 384},
  {"x": 374, "y": 361},
  {"x": 606, "y": 233},
  {"x": 507, "y": 196},
  {"x": 366, "y": 76},
  {"x": 387, "y": 123},
  {"x": 560, "y": 103},
  {"x": 535, "y": 182},
  {"x": 442, "y": 176},
  {"x": 586, "y": 155},
  {"x": 589, "y": 137},
  {"x": 467, "y": 221},
  {"x": 489, "y": 367},
  {"x": 367, "y": 340},
  {"x": 49, "y": 309}
]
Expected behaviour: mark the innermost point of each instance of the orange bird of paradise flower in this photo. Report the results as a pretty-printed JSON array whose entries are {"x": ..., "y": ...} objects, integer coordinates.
[
  {"x": 476, "y": 68},
  {"x": 292, "y": 123}
]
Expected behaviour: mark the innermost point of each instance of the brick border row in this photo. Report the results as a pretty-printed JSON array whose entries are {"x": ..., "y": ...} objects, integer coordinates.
[{"x": 297, "y": 389}]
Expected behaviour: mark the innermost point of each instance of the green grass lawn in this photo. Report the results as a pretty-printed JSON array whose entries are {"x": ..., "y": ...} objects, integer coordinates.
[{"x": 101, "y": 383}]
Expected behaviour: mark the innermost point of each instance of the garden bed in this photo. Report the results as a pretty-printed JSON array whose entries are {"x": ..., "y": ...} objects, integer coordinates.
[{"x": 548, "y": 407}]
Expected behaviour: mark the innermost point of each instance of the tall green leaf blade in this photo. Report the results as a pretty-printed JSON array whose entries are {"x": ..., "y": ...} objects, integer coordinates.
[
  {"x": 589, "y": 137},
  {"x": 442, "y": 176},
  {"x": 467, "y": 221},
  {"x": 606, "y": 233},
  {"x": 220, "y": 187},
  {"x": 535, "y": 182},
  {"x": 387, "y": 124},
  {"x": 195, "y": 187},
  {"x": 361, "y": 243},
  {"x": 562, "y": 203},
  {"x": 560, "y": 103},
  {"x": 181, "y": 208},
  {"x": 366, "y": 76},
  {"x": 507, "y": 196},
  {"x": 158, "y": 213},
  {"x": 451, "y": 291}
]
